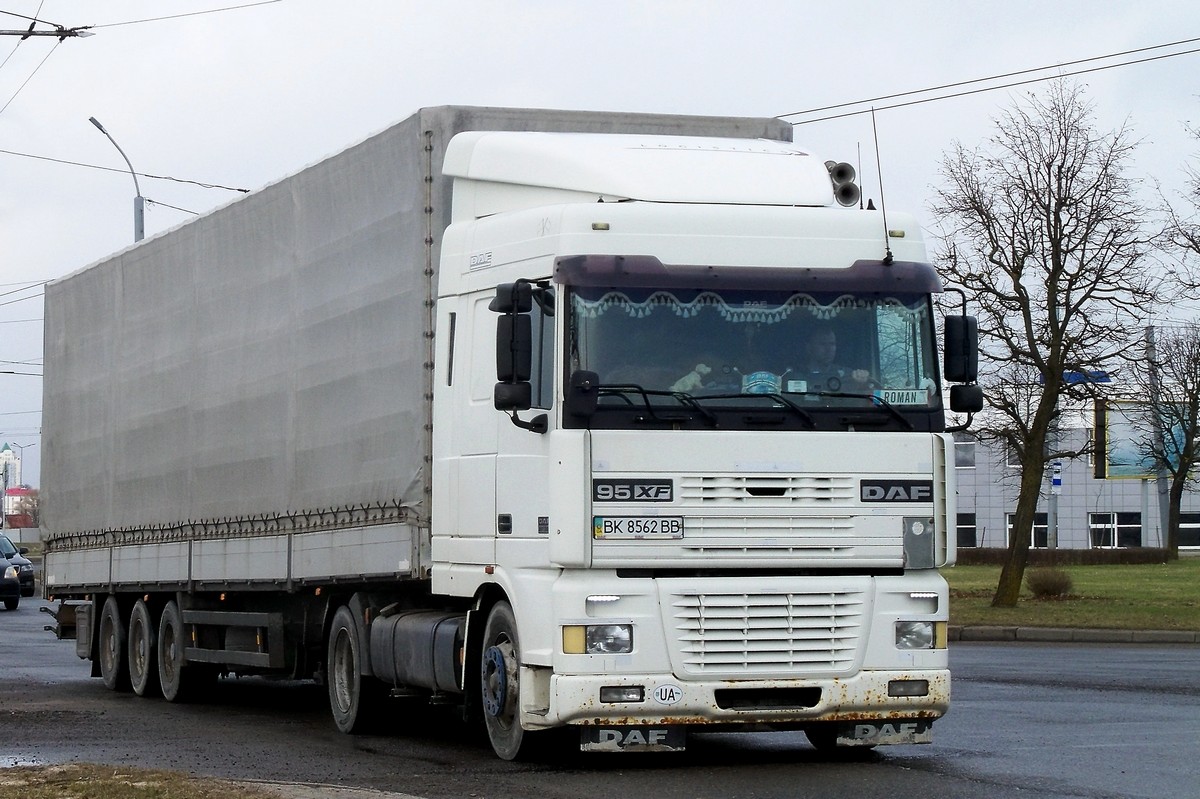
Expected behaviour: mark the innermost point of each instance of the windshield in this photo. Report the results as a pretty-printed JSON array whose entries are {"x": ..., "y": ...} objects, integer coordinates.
[{"x": 799, "y": 354}]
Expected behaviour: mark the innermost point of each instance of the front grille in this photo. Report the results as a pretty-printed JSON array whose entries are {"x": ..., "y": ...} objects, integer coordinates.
[
  {"x": 766, "y": 490},
  {"x": 768, "y": 634}
]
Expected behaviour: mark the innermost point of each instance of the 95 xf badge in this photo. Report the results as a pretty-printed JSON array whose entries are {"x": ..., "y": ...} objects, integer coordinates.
[{"x": 605, "y": 490}]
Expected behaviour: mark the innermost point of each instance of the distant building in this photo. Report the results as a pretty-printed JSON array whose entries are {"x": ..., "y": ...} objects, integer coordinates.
[
  {"x": 1092, "y": 513},
  {"x": 18, "y": 507},
  {"x": 10, "y": 466}
]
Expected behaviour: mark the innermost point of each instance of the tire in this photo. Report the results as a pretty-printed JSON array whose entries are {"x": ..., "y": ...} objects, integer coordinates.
[
  {"x": 500, "y": 686},
  {"x": 355, "y": 700},
  {"x": 143, "y": 654},
  {"x": 12, "y": 604},
  {"x": 111, "y": 647},
  {"x": 824, "y": 740},
  {"x": 178, "y": 680}
]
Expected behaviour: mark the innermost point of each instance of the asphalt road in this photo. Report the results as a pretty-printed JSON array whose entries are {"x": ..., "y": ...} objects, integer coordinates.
[{"x": 1073, "y": 720}]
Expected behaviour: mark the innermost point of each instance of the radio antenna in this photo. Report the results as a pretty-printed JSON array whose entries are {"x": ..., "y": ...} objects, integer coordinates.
[
  {"x": 858, "y": 145},
  {"x": 887, "y": 245}
]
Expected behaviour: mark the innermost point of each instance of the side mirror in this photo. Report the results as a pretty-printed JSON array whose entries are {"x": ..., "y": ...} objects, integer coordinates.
[
  {"x": 514, "y": 352},
  {"x": 583, "y": 393},
  {"x": 513, "y": 396},
  {"x": 966, "y": 399},
  {"x": 514, "y": 348},
  {"x": 961, "y": 349}
]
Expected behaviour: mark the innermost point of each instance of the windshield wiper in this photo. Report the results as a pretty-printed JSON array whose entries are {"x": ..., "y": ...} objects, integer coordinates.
[
  {"x": 876, "y": 400},
  {"x": 781, "y": 399},
  {"x": 623, "y": 391}
]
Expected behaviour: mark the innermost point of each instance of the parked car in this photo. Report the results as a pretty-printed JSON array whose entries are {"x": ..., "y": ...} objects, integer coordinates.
[
  {"x": 16, "y": 556},
  {"x": 10, "y": 586}
]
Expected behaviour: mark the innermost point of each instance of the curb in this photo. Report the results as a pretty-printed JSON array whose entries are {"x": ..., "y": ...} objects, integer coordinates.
[{"x": 1072, "y": 635}]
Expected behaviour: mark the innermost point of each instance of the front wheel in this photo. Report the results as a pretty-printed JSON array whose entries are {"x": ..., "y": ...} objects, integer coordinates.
[
  {"x": 500, "y": 675},
  {"x": 824, "y": 740},
  {"x": 12, "y": 604}
]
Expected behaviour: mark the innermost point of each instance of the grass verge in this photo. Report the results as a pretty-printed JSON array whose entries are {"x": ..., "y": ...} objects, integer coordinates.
[
  {"x": 87, "y": 781},
  {"x": 1117, "y": 597}
]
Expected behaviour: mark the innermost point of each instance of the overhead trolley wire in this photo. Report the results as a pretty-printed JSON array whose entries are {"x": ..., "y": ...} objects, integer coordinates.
[
  {"x": 189, "y": 14},
  {"x": 991, "y": 78}
]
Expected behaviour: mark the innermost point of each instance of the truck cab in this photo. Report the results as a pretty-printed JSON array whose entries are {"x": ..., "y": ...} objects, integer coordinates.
[{"x": 677, "y": 519}]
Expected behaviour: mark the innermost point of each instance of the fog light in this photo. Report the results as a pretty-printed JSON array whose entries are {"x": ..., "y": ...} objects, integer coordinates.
[
  {"x": 908, "y": 688},
  {"x": 914, "y": 635},
  {"x": 612, "y": 694}
]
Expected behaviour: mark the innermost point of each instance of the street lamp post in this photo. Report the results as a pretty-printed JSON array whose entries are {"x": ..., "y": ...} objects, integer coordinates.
[{"x": 139, "y": 214}]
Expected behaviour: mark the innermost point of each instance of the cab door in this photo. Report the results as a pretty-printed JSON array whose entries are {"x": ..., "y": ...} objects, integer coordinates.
[{"x": 522, "y": 461}]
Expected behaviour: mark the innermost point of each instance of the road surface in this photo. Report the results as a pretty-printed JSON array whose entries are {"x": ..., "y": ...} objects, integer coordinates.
[{"x": 1073, "y": 720}]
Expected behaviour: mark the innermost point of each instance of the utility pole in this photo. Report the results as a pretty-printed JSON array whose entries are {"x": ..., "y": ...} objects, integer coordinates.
[{"x": 1160, "y": 439}]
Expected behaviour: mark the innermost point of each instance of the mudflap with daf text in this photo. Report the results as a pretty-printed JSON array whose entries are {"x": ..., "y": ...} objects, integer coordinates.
[
  {"x": 883, "y": 733},
  {"x": 633, "y": 739}
]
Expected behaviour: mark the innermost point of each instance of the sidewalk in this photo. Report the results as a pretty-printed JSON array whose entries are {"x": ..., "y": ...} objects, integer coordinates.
[{"x": 1069, "y": 635}]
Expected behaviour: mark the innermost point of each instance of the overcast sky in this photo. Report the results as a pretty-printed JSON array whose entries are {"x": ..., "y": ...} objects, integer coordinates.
[{"x": 243, "y": 97}]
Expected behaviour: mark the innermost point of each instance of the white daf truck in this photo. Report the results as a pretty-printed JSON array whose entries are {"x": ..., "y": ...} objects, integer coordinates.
[{"x": 520, "y": 410}]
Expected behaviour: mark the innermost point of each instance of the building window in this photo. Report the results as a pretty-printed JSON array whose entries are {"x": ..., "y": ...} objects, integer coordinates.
[
  {"x": 967, "y": 533},
  {"x": 1113, "y": 530},
  {"x": 964, "y": 454},
  {"x": 1189, "y": 529},
  {"x": 1012, "y": 458},
  {"x": 1041, "y": 526}
]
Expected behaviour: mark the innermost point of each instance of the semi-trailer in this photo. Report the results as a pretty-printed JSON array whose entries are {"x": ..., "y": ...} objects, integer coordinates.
[{"x": 628, "y": 423}]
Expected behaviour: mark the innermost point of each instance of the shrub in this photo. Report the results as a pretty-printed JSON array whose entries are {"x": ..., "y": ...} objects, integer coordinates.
[{"x": 1047, "y": 583}]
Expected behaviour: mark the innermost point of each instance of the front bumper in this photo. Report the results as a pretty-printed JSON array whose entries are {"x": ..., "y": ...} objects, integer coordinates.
[{"x": 862, "y": 697}]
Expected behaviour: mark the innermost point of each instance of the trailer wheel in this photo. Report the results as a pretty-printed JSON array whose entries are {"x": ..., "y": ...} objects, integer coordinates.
[
  {"x": 111, "y": 647},
  {"x": 143, "y": 667},
  {"x": 179, "y": 681},
  {"x": 354, "y": 699},
  {"x": 500, "y": 674}
]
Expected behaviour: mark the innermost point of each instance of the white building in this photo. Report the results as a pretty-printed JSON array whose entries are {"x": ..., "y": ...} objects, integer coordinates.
[
  {"x": 1091, "y": 513},
  {"x": 10, "y": 467}
]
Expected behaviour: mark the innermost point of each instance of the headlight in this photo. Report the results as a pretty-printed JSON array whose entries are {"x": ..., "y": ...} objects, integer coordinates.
[
  {"x": 28, "y": 567},
  {"x": 10, "y": 573},
  {"x": 598, "y": 639},
  {"x": 914, "y": 635}
]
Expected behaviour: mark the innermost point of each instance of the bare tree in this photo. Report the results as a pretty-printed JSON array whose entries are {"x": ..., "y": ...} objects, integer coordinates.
[
  {"x": 1042, "y": 229},
  {"x": 1183, "y": 230},
  {"x": 1167, "y": 419}
]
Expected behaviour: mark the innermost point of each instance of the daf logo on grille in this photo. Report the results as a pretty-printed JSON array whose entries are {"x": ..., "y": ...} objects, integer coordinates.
[{"x": 896, "y": 490}]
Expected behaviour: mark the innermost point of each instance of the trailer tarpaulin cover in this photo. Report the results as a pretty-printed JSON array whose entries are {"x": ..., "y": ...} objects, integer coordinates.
[{"x": 267, "y": 358}]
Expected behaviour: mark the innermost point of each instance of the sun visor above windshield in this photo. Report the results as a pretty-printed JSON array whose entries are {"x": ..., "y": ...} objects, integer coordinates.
[{"x": 647, "y": 271}]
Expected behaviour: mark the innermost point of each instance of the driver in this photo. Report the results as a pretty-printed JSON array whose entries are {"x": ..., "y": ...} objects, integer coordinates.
[{"x": 820, "y": 369}]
